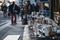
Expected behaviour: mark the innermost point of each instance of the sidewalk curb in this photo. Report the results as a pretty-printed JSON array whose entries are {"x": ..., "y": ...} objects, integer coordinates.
[{"x": 26, "y": 33}]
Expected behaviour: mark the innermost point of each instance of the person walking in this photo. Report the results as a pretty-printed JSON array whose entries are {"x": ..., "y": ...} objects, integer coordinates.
[
  {"x": 13, "y": 10},
  {"x": 29, "y": 8},
  {"x": 37, "y": 8},
  {"x": 4, "y": 9}
]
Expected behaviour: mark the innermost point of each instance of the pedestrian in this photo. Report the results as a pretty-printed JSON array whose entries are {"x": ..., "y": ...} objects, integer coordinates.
[
  {"x": 33, "y": 7},
  {"x": 13, "y": 11},
  {"x": 4, "y": 9},
  {"x": 29, "y": 7},
  {"x": 37, "y": 8},
  {"x": 22, "y": 11},
  {"x": 18, "y": 12}
]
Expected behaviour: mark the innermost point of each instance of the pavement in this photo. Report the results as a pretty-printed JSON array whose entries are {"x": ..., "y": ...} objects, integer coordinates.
[
  {"x": 26, "y": 35},
  {"x": 3, "y": 20},
  {"x": 18, "y": 31},
  {"x": 9, "y": 29}
]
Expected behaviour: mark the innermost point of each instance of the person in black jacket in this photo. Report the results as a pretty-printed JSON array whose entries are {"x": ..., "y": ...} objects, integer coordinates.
[
  {"x": 4, "y": 9},
  {"x": 29, "y": 7},
  {"x": 33, "y": 7},
  {"x": 13, "y": 10},
  {"x": 37, "y": 8}
]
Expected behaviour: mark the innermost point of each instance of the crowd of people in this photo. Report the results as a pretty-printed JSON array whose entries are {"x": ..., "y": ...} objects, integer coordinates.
[{"x": 24, "y": 10}]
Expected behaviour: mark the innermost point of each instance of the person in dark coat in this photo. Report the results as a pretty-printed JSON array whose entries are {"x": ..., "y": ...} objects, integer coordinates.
[
  {"x": 29, "y": 7},
  {"x": 33, "y": 7},
  {"x": 18, "y": 12},
  {"x": 37, "y": 7},
  {"x": 13, "y": 10},
  {"x": 4, "y": 9},
  {"x": 22, "y": 11}
]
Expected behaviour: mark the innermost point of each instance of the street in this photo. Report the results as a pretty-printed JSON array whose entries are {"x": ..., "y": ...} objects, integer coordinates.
[
  {"x": 19, "y": 31},
  {"x": 29, "y": 20},
  {"x": 3, "y": 20},
  {"x": 7, "y": 29}
]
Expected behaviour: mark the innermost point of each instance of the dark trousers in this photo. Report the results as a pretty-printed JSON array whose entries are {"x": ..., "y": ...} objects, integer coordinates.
[{"x": 13, "y": 19}]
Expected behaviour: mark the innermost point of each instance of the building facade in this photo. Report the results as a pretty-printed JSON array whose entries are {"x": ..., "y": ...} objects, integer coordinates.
[
  {"x": 45, "y": 7},
  {"x": 55, "y": 10}
]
